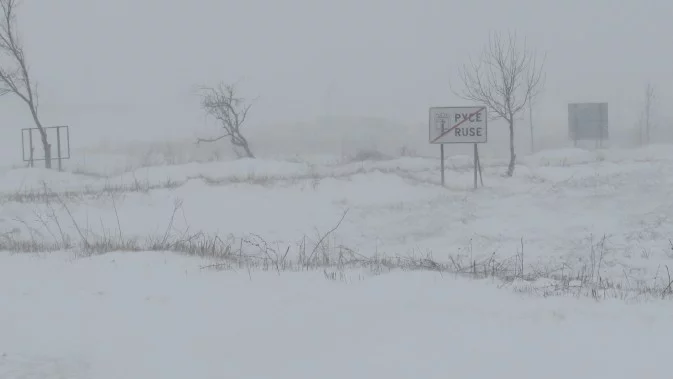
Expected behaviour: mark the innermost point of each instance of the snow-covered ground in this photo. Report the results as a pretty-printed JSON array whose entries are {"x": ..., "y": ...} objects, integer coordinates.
[
  {"x": 601, "y": 218},
  {"x": 157, "y": 315},
  {"x": 559, "y": 208}
]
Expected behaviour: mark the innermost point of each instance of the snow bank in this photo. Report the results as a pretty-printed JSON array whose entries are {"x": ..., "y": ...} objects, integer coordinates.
[{"x": 160, "y": 316}]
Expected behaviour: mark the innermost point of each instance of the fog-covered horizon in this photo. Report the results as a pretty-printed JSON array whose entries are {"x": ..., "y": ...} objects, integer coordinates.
[{"x": 126, "y": 70}]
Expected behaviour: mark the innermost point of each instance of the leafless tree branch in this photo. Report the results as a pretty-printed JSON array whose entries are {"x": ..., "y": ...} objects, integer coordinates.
[{"x": 14, "y": 75}]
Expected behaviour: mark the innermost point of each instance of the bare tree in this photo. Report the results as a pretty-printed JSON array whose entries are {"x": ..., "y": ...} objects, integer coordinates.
[
  {"x": 14, "y": 75},
  {"x": 505, "y": 78},
  {"x": 647, "y": 113},
  {"x": 230, "y": 111}
]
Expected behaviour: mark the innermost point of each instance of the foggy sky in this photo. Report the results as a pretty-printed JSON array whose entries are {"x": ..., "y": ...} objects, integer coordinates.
[{"x": 126, "y": 69}]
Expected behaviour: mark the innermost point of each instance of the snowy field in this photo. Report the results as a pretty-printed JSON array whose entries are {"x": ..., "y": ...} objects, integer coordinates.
[{"x": 326, "y": 267}]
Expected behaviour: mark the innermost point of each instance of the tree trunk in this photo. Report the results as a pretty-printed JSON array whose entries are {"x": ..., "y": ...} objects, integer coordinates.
[
  {"x": 47, "y": 154},
  {"x": 237, "y": 140},
  {"x": 532, "y": 132},
  {"x": 647, "y": 123},
  {"x": 248, "y": 152},
  {"x": 43, "y": 134},
  {"x": 512, "y": 155},
  {"x": 46, "y": 146}
]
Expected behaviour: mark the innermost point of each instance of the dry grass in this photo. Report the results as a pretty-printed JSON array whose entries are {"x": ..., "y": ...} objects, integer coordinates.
[
  {"x": 337, "y": 262},
  {"x": 318, "y": 252},
  {"x": 108, "y": 187}
]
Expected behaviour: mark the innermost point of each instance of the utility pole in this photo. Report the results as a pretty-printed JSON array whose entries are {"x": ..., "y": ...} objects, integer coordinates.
[
  {"x": 530, "y": 119},
  {"x": 649, "y": 96}
]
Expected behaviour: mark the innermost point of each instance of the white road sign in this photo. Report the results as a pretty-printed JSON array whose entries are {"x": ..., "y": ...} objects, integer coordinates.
[{"x": 458, "y": 125}]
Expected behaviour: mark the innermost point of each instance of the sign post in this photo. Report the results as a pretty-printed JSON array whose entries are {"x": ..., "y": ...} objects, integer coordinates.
[
  {"x": 476, "y": 164},
  {"x": 441, "y": 156},
  {"x": 459, "y": 125}
]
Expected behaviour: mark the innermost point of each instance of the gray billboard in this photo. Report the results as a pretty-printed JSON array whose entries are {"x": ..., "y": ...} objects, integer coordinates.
[{"x": 588, "y": 121}]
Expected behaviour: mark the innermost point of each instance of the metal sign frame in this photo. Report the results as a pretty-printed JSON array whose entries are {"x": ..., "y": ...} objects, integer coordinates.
[{"x": 31, "y": 158}]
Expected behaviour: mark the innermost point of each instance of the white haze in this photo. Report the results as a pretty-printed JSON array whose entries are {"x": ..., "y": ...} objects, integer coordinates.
[
  {"x": 125, "y": 70},
  {"x": 299, "y": 266}
]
